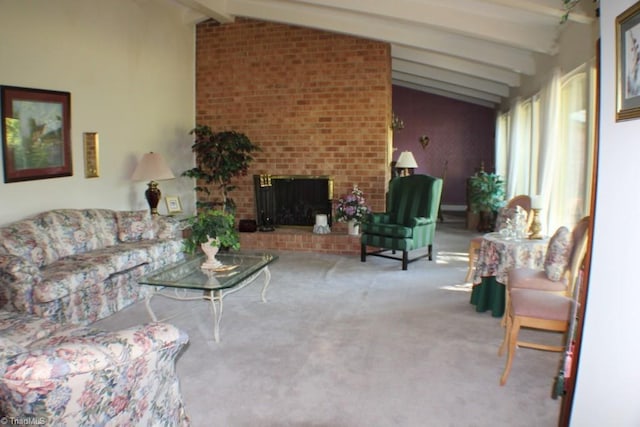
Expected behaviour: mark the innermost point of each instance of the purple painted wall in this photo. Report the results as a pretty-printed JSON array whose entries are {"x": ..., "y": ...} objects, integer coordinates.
[{"x": 460, "y": 133}]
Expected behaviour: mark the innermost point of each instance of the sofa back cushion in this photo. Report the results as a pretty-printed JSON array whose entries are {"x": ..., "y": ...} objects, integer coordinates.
[
  {"x": 76, "y": 231},
  {"x": 29, "y": 239},
  {"x": 51, "y": 235},
  {"x": 134, "y": 226}
]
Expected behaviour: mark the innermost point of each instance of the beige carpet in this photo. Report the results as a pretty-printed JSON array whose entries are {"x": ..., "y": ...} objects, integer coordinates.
[{"x": 342, "y": 343}]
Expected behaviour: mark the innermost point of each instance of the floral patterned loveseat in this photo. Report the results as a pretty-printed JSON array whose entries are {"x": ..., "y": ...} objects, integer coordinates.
[
  {"x": 62, "y": 375},
  {"x": 81, "y": 265}
]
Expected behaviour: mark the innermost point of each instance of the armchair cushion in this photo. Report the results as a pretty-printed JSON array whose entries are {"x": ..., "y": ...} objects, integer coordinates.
[{"x": 389, "y": 230}]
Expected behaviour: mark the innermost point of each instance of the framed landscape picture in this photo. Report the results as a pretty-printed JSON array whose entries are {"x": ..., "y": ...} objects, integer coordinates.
[
  {"x": 628, "y": 64},
  {"x": 36, "y": 140}
]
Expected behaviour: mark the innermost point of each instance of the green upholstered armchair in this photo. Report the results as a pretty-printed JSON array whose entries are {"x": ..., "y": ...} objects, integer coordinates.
[{"x": 409, "y": 221}]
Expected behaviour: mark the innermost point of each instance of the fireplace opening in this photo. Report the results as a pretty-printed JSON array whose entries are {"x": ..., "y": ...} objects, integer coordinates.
[{"x": 292, "y": 200}]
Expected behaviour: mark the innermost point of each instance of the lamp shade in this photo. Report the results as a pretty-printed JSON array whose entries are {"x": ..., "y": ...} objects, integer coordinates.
[
  {"x": 152, "y": 167},
  {"x": 406, "y": 161}
]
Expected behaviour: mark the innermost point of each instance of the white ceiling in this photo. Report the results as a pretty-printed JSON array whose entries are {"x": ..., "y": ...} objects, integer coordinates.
[{"x": 471, "y": 50}]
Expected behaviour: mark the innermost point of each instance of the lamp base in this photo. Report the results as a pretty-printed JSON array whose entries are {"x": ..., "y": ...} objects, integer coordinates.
[
  {"x": 153, "y": 197},
  {"x": 536, "y": 228}
]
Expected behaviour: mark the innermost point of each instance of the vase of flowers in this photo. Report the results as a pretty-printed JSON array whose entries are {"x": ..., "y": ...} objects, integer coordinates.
[{"x": 352, "y": 209}]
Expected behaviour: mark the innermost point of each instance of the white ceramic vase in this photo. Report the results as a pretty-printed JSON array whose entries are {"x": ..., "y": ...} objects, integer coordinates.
[
  {"x": 210, "y": 251},
  {"x": 353, "y": 227}
]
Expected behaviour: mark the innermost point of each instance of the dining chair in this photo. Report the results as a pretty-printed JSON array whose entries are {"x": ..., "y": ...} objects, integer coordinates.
[
  {"x": 534, "y": 309},
  {"x": 543, "y": 299},
  {"x": 521, "y": 200},
  {"x": 561, "y": 267}
]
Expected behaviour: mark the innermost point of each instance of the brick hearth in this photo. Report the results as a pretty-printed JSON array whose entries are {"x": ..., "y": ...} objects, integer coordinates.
[{"x": 301, "y": 239}]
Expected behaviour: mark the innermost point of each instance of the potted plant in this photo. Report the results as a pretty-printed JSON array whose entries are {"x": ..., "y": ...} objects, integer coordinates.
[
  {"x": 352, "y": 209},
  {"x": 220, "y": 156},
  {"x": 486, "y": 197},
  {"x": 211, "y": 230}
]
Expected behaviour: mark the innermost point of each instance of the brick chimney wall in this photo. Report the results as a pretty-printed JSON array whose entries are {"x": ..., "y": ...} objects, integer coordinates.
[{"x": 316, "y": 103}]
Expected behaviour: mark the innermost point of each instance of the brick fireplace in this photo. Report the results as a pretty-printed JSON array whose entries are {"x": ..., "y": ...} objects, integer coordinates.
[{"x": 317, "y": 103}]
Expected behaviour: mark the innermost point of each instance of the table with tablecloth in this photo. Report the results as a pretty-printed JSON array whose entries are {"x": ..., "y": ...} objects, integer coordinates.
[{"x": 499, "y": 254}]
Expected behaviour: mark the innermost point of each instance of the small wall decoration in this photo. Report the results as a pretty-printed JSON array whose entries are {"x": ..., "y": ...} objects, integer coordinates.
[
  {"x": 36, "y": 140},
  {"x": 91, "y": 151},
  {"x": 628, "y": 63},
  {"x": 424, "y": 141},
  {"x": 173, "y": 205}
]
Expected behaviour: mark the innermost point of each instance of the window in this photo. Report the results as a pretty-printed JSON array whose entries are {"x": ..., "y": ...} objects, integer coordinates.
[{"x": 544, "y": 145}]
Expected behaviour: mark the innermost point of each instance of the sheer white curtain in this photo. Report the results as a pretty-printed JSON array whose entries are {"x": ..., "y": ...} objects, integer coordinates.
[
  {"x": 519, "y": 148},
  {"x": 502, "y": 143},
  {"x": 544, "y": 146},
  {"x": 570, "y": 197},
  {"x": 548, "y": 160}
]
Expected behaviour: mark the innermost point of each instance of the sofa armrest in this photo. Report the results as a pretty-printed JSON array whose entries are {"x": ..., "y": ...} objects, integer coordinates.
[
  {"x": 168, "y": 227},
  {"x": 86, "y": 350},
  {"x": 18, "y": 277},
  {"x": 124, "y": 377}
]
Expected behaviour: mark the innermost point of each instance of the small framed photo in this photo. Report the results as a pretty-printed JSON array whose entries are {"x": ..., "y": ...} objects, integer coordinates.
[
  {"x": 628, "y": 64},
  {"x": 173, "y": 205},
  {"x": 36, "y": 139}
]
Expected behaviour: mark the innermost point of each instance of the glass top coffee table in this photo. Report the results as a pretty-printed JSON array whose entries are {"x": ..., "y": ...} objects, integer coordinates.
[{"x": 237, "y": 271}]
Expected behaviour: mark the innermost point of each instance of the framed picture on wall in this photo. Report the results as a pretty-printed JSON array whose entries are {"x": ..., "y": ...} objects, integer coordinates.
[
  {"x": 36, "y": 140},
  {"x": 173, "y": 205},
  {"x": 628, "y": 64}
]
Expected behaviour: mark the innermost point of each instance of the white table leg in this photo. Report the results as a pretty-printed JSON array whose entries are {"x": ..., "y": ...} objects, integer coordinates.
[
  {"x": 215, "y": 297},
  {"x": 267, "y": 279},
  {"x": 147, "y": 302}
]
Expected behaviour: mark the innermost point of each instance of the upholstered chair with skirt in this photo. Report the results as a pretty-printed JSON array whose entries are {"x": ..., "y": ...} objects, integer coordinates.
[{"x": 409, "y": 222}]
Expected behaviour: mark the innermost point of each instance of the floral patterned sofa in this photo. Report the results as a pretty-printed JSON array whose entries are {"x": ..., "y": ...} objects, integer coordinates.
[
  {"x": 62, "y": 375},
  {"x": 81, "y": 265}
]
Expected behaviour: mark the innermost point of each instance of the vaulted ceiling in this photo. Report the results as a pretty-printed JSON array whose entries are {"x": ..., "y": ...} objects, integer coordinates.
[{"x": 472, "y": 50}]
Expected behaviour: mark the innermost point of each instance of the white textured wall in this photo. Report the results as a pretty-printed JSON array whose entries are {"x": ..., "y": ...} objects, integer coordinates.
[
  {"x": 129, "y": 65},
  {"x": 608, "y": 383}
]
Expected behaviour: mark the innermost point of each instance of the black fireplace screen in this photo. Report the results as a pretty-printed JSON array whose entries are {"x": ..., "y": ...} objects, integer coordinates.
[{"x": 292, "y": 199}]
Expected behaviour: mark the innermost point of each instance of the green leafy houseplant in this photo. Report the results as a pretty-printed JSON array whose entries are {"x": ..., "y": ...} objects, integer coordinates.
[
  {"x": 486, "y": 192},
  {"x": 220, "y": 156},
  {"x": 486, "y": 197},
  {"x": 214, "y": 224}
]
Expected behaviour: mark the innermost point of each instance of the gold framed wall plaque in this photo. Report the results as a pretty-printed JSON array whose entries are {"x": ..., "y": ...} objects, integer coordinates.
[{"x": 91, "y": 160}]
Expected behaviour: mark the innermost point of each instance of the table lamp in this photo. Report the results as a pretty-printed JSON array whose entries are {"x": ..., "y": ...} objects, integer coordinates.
[
  {"x": 152, "y": 167},
  {"x": 405, "y": 162},
  {"x": 536, "y": 227}
]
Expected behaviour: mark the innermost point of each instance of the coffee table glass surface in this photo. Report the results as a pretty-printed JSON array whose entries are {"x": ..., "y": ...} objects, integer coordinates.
[
  {"x": 237, "y": 270},
  {"x": 187, "y": 274}
]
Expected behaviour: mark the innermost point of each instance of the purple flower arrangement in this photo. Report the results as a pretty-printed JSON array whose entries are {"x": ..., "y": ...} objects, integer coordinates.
[{"x": 352, "y": 207}]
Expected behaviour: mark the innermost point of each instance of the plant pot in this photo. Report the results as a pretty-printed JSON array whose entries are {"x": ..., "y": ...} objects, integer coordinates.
[
  {"x": 210, "y": 252},
  {"x": 487, "y": 221},
  {"x": 353, "y": 227}
]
